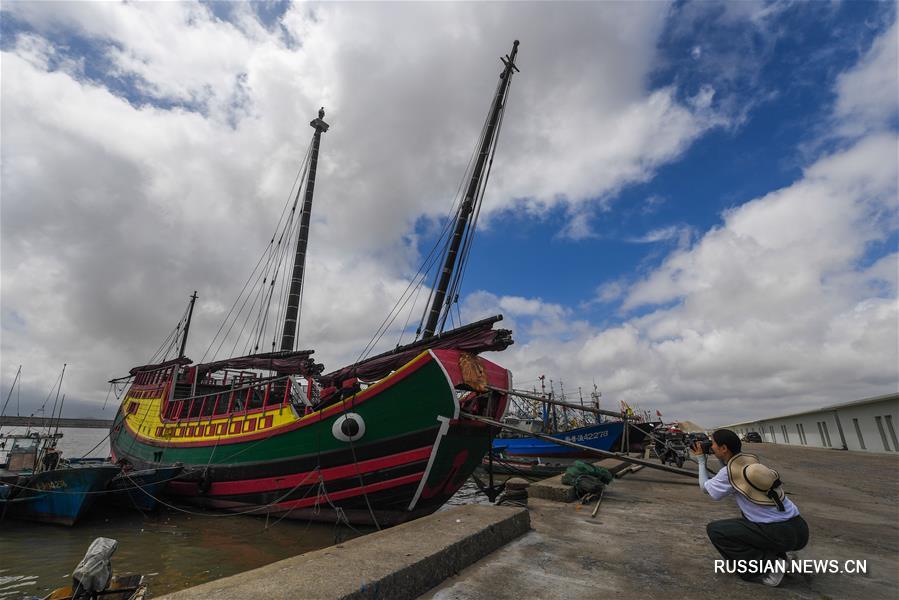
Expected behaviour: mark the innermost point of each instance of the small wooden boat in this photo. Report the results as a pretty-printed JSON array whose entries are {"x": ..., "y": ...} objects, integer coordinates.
[
  {"x": 128, "y": 587},
  {"x": 93, "y": 577}
]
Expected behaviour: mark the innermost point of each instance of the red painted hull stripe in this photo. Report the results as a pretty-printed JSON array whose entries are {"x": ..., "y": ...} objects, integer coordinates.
[
  {"x": 356, "y": 491},
  {"x": 265, "y": 484}
]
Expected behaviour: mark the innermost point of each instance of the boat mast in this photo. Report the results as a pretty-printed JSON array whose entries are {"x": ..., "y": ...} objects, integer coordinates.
[
  {"x": 5, "y": 404},
  {"x": 58, "y": 389},
  {"x": 473, "y": 186},
  {"x": 190, "y": 312},
  {"x": 299, "y": 261}
]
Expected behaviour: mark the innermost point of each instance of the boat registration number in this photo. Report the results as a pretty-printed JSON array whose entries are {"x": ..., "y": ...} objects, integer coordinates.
[{"x": 586, "y": 437}]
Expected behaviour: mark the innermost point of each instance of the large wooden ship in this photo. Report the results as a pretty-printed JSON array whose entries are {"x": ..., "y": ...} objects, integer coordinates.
[{"x": 380, "y": 441}]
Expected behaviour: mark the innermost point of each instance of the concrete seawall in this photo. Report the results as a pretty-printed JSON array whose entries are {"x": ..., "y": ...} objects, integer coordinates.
[{"x": 397, "y": 563}]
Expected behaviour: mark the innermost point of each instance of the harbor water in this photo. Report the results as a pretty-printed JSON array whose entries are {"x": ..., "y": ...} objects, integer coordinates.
[{"x": 174, "y": 548}]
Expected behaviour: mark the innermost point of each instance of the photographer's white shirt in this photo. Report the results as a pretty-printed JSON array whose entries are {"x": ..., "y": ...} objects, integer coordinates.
[{"x": 719, "y": 487}]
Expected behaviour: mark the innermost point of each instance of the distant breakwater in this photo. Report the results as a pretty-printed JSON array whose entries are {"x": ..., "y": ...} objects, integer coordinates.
[{"x": 10, "y": 421}]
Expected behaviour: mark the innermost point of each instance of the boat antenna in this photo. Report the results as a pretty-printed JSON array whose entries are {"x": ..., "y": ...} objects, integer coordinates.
[
  {"x": 299, "y": 261},
  {"x": 474, "y": 185},
  {"x": 8, "y": 396},
  {"x": 190, "y": 312}
]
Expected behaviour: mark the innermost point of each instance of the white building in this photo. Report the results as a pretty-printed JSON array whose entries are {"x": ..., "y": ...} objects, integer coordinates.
[{"x": 868, "y": 425}]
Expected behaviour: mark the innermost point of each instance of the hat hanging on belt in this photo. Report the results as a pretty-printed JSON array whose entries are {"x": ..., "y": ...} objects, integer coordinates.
[{"x": 758, "y": 483}]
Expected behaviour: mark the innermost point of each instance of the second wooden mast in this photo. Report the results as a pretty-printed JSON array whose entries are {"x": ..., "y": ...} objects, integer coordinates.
[
  {"x": 299, "y": 261},
  {"x": 471, "y": 194}
]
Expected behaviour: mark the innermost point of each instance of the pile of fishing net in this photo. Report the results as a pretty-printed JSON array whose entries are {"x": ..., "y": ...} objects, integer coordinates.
[{"x": 586, "y": 478}]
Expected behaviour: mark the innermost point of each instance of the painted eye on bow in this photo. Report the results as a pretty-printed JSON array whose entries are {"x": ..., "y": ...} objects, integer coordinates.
[{"x": 349, "y": 427}]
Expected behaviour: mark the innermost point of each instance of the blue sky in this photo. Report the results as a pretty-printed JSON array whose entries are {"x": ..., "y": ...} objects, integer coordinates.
[
  {"x": 693, "y": 204},
  {"x": 788, "y": 85}
]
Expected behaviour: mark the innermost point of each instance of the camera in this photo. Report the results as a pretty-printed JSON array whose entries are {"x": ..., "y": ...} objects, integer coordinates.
[{"x": 705, "y": 444}]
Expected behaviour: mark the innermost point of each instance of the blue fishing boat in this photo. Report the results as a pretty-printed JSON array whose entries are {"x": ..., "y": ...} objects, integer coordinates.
[
  {"x": 131, "y": 488},
  {"x": 529, "y": 437},
  {"x": 600, "y": 436},
  {"x": 39, "y": 485}
]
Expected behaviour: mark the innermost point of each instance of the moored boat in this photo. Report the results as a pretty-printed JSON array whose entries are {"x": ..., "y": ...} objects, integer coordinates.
[
  {"x": 601, "y": 436},
  {"x": 132, "y": 488},
  {"x": 41, "y": 486},
  {"x": 379, "y": 441}
]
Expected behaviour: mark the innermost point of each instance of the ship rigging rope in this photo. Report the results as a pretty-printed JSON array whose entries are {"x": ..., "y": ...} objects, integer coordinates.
[
  {"x": 170, "y": 342},
  {"x": 321, "y": 492},
  {"x": 291, "y": 229},
  {"x": 95, "y": 492},
  {"x": 404, "y": 298},
  {"x": 433, "y": 259},
  {"x": 271, "y": 255},
  {"x": 97, "y": 444},
  {"x": 271, "y": 278},
  {"x": 49, "y": 393},
  {"x": 452, "y": 296},
  {"x": 270, "y": 274},
  {"x": 442, "y": 244}
]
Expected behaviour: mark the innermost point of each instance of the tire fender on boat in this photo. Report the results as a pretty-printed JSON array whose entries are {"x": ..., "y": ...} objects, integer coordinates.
[{"x": 348, "y": 427}]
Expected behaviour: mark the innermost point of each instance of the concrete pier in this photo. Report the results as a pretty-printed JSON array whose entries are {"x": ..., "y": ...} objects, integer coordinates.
[{"x": 647, "y": 541}]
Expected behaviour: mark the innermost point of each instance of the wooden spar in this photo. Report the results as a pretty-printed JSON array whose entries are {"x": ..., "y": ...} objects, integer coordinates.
[
  {"x": 596, "y": 508},
  {"x": 602, "y": 453},
  {"x": 190, "y": 313},
  {"x": 299, "y": 261},
  {"x": 474, "y": 185},
  {"x": 557, "y": 402}
]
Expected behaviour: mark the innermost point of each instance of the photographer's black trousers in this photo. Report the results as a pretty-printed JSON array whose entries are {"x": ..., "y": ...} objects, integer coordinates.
[{"x": 740, "y": 539}]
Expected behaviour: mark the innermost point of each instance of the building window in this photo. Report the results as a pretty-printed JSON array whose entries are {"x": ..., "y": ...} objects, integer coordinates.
[
  {"x": 883, "y": 435},
  {"x": 821, "y": 434},
  {"x": 826, "y": 434},
  {"x": 786, "y": 434},
  {"x": 858, "y": 432},
  {"x": 799, "y": 433},
  {"x": 889, "y": 420}
]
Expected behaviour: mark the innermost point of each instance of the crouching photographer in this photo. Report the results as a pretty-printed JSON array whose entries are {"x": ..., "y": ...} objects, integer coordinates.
[{"x": 770, "y": 526}]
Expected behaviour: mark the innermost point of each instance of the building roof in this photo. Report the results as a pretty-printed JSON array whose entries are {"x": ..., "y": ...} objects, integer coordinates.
[{"x": 853, "y": 403}]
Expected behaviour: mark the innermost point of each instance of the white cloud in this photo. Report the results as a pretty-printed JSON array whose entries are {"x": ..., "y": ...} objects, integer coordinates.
[
  {"x": 681, "y": 233},
  {"x": 116, "y": 206},
  {"x": 115, "y": 210},
  {"x": 783, "y": 307},
  {"x": 867, "y": 95}
]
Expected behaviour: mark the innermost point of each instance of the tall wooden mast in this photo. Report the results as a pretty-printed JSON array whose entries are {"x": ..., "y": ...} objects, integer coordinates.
[
  {"x": 474, "y": 185},
  {"x": 299, "y": 261},
  {"x": 190, "y": 312}
]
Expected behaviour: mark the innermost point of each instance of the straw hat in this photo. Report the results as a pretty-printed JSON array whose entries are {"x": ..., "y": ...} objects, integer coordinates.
[{"x": 758, "y": 483}]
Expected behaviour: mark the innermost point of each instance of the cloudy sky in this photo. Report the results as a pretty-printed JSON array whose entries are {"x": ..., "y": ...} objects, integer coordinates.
[{"x": 693, "y": 205}]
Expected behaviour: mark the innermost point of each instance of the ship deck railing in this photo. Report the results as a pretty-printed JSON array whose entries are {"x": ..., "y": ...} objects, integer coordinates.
[{"x": 259, "y": 395}]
